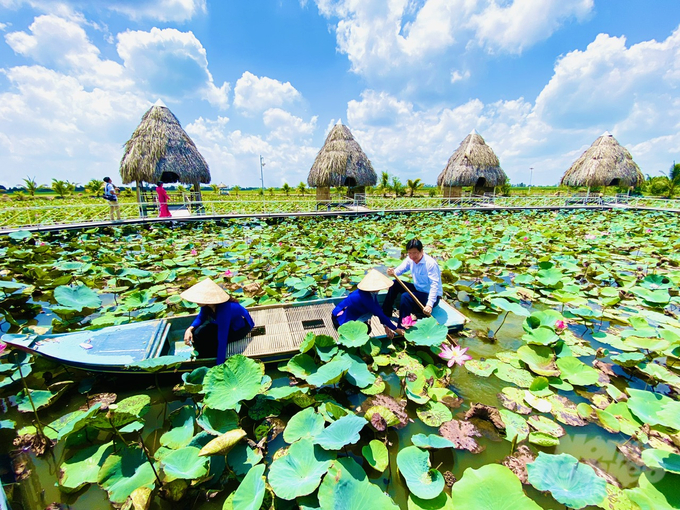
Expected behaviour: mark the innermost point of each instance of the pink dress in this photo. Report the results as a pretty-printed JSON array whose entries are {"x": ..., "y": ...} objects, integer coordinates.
[{"x": 163, "y": 202}]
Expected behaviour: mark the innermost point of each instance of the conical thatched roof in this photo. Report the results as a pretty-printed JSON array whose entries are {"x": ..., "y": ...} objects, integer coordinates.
[
  {"x": 472, "y": 161},
  {"x": 160, "y": 150},
  {"x": 341, "y": 162},
  {"x": 605, "y": 163}
]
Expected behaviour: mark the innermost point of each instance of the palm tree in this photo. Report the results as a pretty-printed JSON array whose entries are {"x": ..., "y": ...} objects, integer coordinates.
[
  {"x": 414, "y": 186},
  {"x": 62, "y": 188},
  {"x": 31, "y": 186},
  {"x": 673, "y": 179},
  {"x": 181, "y": 189},
  {"x": 215, "y": 188},
  {"x": 397, "y": 187},
  {"x": 94, "y": 187},
  {"x": 235, "y": 190},
  {"x": 271, "y": 191},
  {"x": 286, "y": 188},
  {"x": 384, "y": 184},
  {"x": 302, "y": 188}
]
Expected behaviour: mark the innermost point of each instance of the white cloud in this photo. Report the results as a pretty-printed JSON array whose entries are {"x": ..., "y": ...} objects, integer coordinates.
[
  {"x": 253, "y": 94},
  {"x": 3, "y": 26},
  {"x": 161, "y": 10},
  {"x": 515, "y": 27},
  {"x": 458, "y": 76},
  {"x": 170, "y": 63},
  {"x": 285, "y": 126}
]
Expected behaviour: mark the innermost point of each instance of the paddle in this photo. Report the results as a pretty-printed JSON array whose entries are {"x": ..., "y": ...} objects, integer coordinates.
[{"x": 422, "y": 308}]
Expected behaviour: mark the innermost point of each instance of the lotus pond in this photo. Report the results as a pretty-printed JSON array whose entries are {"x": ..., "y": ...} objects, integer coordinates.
[{"x": 570, "y": 399}]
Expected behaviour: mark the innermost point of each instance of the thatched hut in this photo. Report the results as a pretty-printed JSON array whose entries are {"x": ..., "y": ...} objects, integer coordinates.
[
  {"x": 605, "y": 163},
  {"x": 341, "y": 162},
  {"x": 473, "y": 164},
  {"x": 160, "y": 150}
]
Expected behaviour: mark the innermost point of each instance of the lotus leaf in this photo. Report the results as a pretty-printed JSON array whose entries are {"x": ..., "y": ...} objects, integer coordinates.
[
  {"x": 217, "y": 422},
  {"x": 647, "y": 496},
  {"x": 306, "y": 424},
  {"x": 543, "y": 439},
  {"x": 193, "y": 381},
  {"x": 7, "y": 424},
  {"x": 83, "y": 467},
  {"x": 516, "y": 427},
  {"x": 346, "y": 486},
  {"x": 299, "y": 472},
  {"x": 241, "y": 458},
  {"x": 326, "y": 347},
  {"x": 124, "y": 412},
  {"x": 221, "y": 445},
  {"x": 341, "y": 432},
  {"x": 513, "y": 399},
  {"x": 577, "y": 372},
  {"x": 390, "y": 419},
  {"x": 20, "y": 235},
  {"x": 542, "y": 335},
  {"x": 376, "y": 388},
  {"x": 182, "y": 431},
  {"x": 160, "y": 363},
  {"x": 41, "y": 399},
  {"x": 77, "y": 298},
  {"x": 431, "y": 441},
  {"x": 421, "y": 479},
  {"x": 375, "y": 453},
  {"x": 628, "y": 359},
  {"x": 238, "y": 378},
  {"x": 250, "y": 493},
  {"x": 546, "y": 425},
  {"x": 654, "y": 408},
  {"x": 564, "y": 411},
  {"x": 508, "y": 306},
  {"x": 540, "y": 359},
  {"x": 71, "y": 422},
  {"x": 491, "y": 487},
  {"x": 358, "y": 373},
  {"x": 125, "y": 471},
  {"x": 427, "y": 332},
  {"x": 353, "y": 334},
  {"x": 665, "y": 460},
  {"x": 659, "y": 297},
  {"x": 330, "y": 372},
  {"x": 301, "y": 366},
  {"x": 434, "y": 414},
  {"x": 481, "y": 368},
  {"x": 571, "y": 483},
  {"x": 512, "y": 374},
  {"x": 185, "y": 464}
]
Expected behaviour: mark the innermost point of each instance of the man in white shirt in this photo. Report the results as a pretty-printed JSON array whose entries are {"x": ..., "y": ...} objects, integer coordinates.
[{"x": 426, "y": 286}]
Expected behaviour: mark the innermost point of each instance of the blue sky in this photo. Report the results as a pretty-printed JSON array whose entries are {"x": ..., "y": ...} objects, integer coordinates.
[{"x": 540, "y": 80}]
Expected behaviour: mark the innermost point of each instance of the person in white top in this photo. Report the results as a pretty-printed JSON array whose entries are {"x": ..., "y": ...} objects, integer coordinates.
[
  {"x": 426, "y": 286},
  {"x": 111, "y": 194}
]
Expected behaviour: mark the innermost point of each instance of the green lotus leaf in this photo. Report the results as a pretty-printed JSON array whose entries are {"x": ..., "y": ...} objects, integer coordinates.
[
  {"x": 41, "y": 399},
  {"x": 341, "y": 432},
  {"x": 241, "y": 458},
  {"x": 540, "y": 359},
  {"x": 516, "y": 427},
  {"x": 71, "y": 422},
  {"x": 301, "y": 366},
  {"x": 184, "y": 464},
  {"x": 299, "y": 472},
  {"x": 358, "y": 373},
  {"x": 441, "y": 502},
  {"x": 628, "y": 359},
  {"x": 550, "y": 277},
  {"x": 659, "y": 373},
  {"x": 518, "y": 376},
  {"x": 421, "y": 479},
  {"x": 158, "y": 364},
  {"x": 565, "y": 411},
  {"x": 306, "y": 424},
  {"x": 238, "y": 378},
  {"x": 427, "y": 332},
  {"x": 540, "y": 387},
  {"x": 308, "y": 342},
  {"x": 481, "y": 368},
  {"x": 353, "y": 334},
  {"x": 83, "y": 467},
  {"x": 571, "y": 483},
  {"x": 193, "y": 381},
  {"x": 647, "y": 496},
  {"x": 8, "y": 424},
  {"x": 125, "y": 471},
  {"x": 20, "y": 235},
  {"x": 542, "y": 335},
  {"x": 376, "y": 388},
  {"x": 124, "y": 412},
  {"x": 434, "y": 414},
  {"x": 77, "y": 298},
  {"x": 654, "y": 408},
  {"x": 391, "y": 419},
  {"x": 662, "y": 459},
  {"x": 331, "y": 372},
  {"x": 491, "y": 487},
  {"x": 217, "y": 422},
  {"x": 326, "y": 347},
  {"x": 432, "y": 441},
  {"x": 182, "y": 431},
  {"x": 659, "y": 297},
  {"x": 376, "y": 455},
  {"x": 283, "y": 392},
  {"x": 577, "y": 372},
  {"x": 509, "y": 306},
  {"x": 250, "y": 493},
  {"x": 648, "y": 344},
  {"x": 543, "y": 439},
  {"x": 346, "y": 486},
  {"x": 546, "y": 425}
]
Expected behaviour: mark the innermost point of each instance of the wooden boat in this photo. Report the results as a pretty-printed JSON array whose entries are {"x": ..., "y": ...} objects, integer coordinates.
[{"x": 279, "y": 330}]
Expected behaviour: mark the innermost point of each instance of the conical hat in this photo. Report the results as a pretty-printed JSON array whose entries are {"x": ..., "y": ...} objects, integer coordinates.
[
  {"x": 206, "y": 292},
  {"x": 375, "y": 280}
]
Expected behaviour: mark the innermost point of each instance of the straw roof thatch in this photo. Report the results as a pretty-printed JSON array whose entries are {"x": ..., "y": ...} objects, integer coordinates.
[
  {"x": 605, "y": 163},
  {"x": 341, "y": 162},
  {"x": 472, "y": 161},
  {"x": 160, "y": 150}
]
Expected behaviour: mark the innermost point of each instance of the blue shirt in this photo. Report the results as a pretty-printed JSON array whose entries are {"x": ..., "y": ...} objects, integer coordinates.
[
  {"x": 359, "y": 304},
  {"x": 427, "y": 277},
  {"x": 229, "y": 316}
]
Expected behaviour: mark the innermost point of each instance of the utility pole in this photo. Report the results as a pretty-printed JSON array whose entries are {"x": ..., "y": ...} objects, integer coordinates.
[
  {"x": 531, "y": 177},
  {"x": 262, "y": 163}
]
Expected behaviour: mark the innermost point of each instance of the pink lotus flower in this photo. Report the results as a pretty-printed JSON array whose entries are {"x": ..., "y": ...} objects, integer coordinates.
[
  {"x": 525, "y": 238},
  {"x": 407, "y": 322},
  {"x": 560, "y": 326},
  {"x": 3, "y": 346},
  {"x": 228, "y": 274},
  {"x": 455, "y": 355},
  {"x": 194, "y": 252},
  {"x": 590, "y": 237},
  {"x": 648, "y": 230}
]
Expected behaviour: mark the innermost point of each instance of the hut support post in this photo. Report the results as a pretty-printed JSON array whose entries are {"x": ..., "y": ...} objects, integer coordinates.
[{"x": 142, "y": 212}]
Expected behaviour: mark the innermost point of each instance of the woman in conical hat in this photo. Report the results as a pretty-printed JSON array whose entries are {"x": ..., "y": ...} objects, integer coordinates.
[
  {"x": 221, "y": 319},
  {"x": 362, "y": 305}
]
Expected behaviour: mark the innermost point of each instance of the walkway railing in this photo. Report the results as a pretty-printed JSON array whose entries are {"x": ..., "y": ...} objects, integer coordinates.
[{"x": 15, "y": 216}]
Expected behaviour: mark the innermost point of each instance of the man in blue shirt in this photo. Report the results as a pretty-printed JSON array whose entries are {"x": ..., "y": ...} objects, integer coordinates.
[
  {"x": 426, "y": 286},
  {"x": 361, "y": 305}
]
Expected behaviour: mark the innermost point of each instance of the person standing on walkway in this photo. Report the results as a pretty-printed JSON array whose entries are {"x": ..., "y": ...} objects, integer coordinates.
[
  {"x": 111, "y": 194},
  {"x": 426, "y": 286},
  {"x": 163, "y": 210}
]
